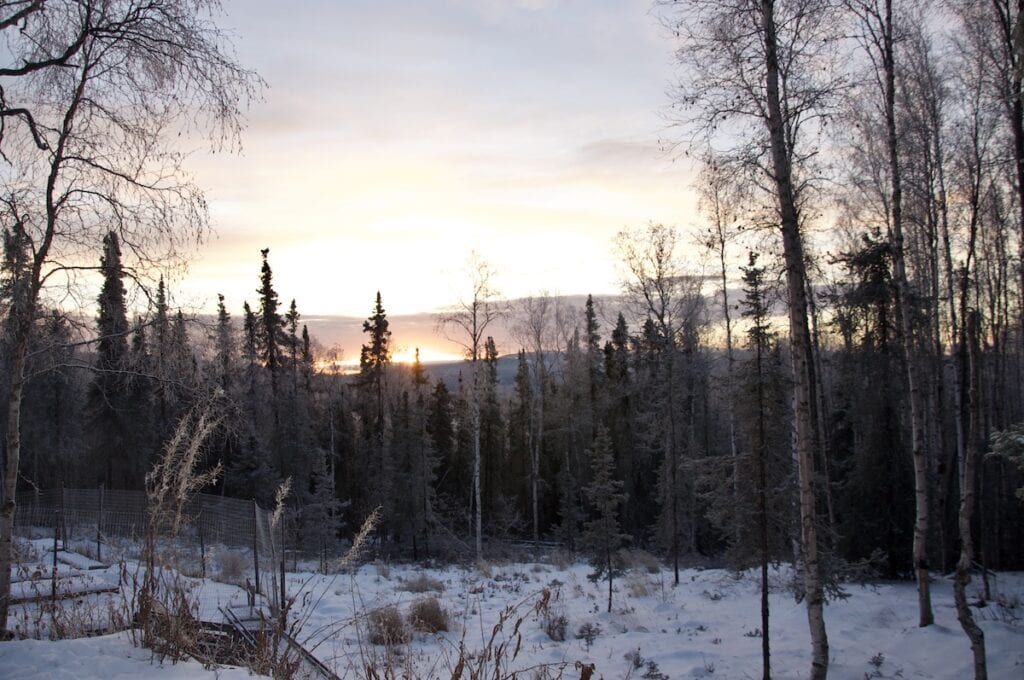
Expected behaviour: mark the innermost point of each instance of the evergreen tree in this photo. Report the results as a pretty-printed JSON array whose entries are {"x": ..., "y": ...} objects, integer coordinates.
[
  {"x": 161, "y": 370},
  {"x": 377, "y": 454},
  {"x": 51, "y": 423},
  {"x": 603, "y": 537},
  {"x": 321, "y": 516},
  {"x": 492, "y": 442},
  {"x": 141, "y": 436},
  {"x": 108, "y": 393},
  {"x": 595, "y": 357},
  {"x": 269, "y": 334},
  {"x": 575, "y": 411},
  {"x": 424, "y": 463},
  {"x": 868, "y": 430},
  {"x": 374, "y": 359},
  {"x": 762, "y": 403},
  {"x": 224, "y": 348},
  {"x": 440, "y": 427},
  {"x": 250, "y": 337},
  {"x": 222, "y": 376},
  {"x": 519, "y": 472},
  {"x": 620, "y": 414},
  {"x": 183, "y": 366},
  {"x": 270, "y": 327}
]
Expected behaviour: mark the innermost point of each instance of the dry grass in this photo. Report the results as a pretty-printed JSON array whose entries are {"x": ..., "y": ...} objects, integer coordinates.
[
  {"x": 422, "y": 584},
  {"x": 427, "y": 616},
  {"x": 387, "y": 627},
  {"x": 639, "y": 585},
  {"x": 232, "y": 567},
  {"x": 641, "y": 560}
]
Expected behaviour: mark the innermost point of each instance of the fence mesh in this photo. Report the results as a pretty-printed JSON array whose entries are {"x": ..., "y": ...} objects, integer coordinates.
[{"x": 225, "y": 538}]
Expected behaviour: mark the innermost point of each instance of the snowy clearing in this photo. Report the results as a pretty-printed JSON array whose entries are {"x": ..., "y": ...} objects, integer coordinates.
[{"x": 707, "y": 627}]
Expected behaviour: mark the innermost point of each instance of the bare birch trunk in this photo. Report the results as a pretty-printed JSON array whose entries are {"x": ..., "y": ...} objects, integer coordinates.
[
  {"x": 800, "y": 339},
  {"x": 917, "y": 425},
  {"x": 967, "y": 469}
]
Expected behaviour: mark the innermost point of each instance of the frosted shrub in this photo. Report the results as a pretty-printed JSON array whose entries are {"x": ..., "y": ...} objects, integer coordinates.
[
  {"x": 427, "y": 616},
  {"x": 387, "y": 627},
  {"x": 588, "y": 632},
  {"x": 641, "y": 560},
  {"x": 422, "y": 584},
  {"x": 638, "y": 585},
  {"x": 232, "y": 566}
]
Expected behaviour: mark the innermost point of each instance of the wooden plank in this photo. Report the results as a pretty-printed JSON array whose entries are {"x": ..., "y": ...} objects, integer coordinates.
[{"x": 65, "y": 595}]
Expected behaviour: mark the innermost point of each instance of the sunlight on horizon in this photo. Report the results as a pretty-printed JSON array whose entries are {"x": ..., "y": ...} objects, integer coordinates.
[{"x": 382, "y": 167}]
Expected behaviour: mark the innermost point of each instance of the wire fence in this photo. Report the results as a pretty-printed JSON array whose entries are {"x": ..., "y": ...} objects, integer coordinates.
[{"x": 229, "y": 539}]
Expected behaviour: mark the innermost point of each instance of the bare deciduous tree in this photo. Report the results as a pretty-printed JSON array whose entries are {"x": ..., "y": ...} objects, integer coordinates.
[
  {"x": 763, "y": 71},
  {"x": 879, "y": 23},
  {"x": 95, "y": 98},
  {"x": 465, "y": 324},
  {"x": 658, "y": 289}
]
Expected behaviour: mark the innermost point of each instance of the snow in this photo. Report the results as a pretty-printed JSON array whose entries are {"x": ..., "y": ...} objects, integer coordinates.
[
  {"x": 707, "y": 627},
  {"x": 110, "y": 657}
]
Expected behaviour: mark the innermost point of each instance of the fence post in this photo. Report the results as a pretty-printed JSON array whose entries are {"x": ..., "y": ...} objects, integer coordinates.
[
  {"x": 99, "y": 527},
  {"x": 53, "y": 570},
  {"x": 63, "y": 520},
  {"x": 256, "y": 541},
  {"x": 281, "y": 605},
  {"x": 202, "y": 540}
]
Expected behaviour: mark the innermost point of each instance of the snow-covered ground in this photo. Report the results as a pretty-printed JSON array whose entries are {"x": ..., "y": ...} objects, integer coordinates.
[
  {"x": 707, "y": 627},
  {"x": 110, "y": 657}
]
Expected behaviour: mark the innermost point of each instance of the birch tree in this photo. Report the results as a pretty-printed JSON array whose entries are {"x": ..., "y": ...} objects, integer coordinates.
[
  {"x": 466, "y": 323},
  {"x": 763, "y": 69},
  {"x": 534, "y": 328},
  {"x": 95, "y": 98},
  {"x": 659, "y": 291},
  {"x": 878, "y": 35}
]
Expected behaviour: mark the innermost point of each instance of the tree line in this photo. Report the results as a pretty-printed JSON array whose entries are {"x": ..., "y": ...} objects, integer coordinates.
[
  {"x": 851, "y": 339},
  {"x": 699, "y": 430}
]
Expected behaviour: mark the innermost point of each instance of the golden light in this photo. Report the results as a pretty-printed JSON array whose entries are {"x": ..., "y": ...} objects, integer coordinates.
[
  {"x": 428, "y": 355},
  {"x": 403, "y": 355}
]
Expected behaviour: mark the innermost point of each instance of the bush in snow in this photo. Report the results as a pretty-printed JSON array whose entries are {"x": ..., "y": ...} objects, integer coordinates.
[
  {"x": 232, "y": 566},
  {"x": 427, "y": 616},
  {"x": 387, "y": 627},
  {"x": 422, "y": 584}
]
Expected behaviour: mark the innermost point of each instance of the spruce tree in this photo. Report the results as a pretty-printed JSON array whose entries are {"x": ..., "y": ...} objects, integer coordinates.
[
  {"x": 269, "y": 333},
  {"x": 440, "y": 427},
  {"x": 161, "y": 369},
  {"x": 592, "y": 340},
  {"x": 51, "y": 423},
  {"x": 270, "y": 322},
  {"x": 492, "y": 438},
  {"x": 107, "y": 395},
  {"x": 759, "y": 339},
  {"x": 224, "y": 348},
  {"x": 519, "y": 472},
  {"x": 603, "y": 537},
  {"x": 374, "y": 361},
  {"x": 222, "y": 376},
  {"x": 140, "y": 436}
]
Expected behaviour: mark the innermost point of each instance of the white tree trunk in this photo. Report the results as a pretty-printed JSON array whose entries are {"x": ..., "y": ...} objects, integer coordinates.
[{"x": 800, "y": 339}]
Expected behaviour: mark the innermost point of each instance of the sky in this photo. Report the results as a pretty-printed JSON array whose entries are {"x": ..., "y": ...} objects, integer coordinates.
[{"x": 396, "y": 137}]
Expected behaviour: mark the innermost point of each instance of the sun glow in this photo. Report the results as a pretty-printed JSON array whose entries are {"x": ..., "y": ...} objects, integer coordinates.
[
  {"x": 403, "y": 355},
  {"x": 428, "y": 355}
]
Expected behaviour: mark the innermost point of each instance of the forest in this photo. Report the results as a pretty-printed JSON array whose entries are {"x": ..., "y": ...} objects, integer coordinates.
[
  {"x": 826, "y": 369},
  {"x": 696, "y": 383}
]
